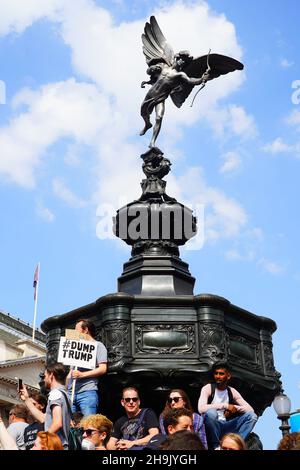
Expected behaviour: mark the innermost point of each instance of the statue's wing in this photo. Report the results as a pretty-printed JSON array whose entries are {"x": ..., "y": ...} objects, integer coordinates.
[
  {"x": 155, "y": 45},
  {"x": 219, "y": 65}
]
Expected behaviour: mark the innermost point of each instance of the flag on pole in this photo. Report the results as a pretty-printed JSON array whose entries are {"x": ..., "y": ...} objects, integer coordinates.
[{"x": 35, "y": 281}]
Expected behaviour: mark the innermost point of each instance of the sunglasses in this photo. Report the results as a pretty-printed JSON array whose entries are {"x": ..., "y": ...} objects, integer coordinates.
[
  {"x": 175, "y": 399},
  {"x": 128, "y": 400},
  {"x": 89, "y": 432}
]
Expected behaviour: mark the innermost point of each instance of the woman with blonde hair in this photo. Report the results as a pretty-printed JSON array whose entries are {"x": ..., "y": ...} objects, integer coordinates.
[
  {"x": 232, "y": 441},
  {"x": 177, "y": 398},
  {"x": 96, "y": 432},
  {"x": 46, "y": 440}
]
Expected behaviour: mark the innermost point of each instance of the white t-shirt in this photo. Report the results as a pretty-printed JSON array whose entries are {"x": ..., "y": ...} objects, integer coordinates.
[{"x": 221, "y": 396}]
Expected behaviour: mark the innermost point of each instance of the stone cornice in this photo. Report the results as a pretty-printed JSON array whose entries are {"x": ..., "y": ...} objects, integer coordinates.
[
  {"x": 20, "y": 326},
  {"x": 22, "y": 361}
]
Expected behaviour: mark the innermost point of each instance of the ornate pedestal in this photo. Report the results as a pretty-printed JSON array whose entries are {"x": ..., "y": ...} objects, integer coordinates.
[{"x": 158, "y": 334}]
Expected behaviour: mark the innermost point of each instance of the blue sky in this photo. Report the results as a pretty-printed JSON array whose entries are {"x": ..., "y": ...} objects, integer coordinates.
[{"x": 69, "y": 155}]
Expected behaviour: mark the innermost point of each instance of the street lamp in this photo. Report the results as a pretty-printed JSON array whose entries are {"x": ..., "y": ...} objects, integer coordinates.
[{"x": 282, "y": 407}]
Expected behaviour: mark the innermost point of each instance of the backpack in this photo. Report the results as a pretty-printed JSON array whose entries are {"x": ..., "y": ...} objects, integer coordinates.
[
  {"x": 75, "y": 438},
  {"x": 75, "y": 434},
  {"x": 213, "y": 389}
]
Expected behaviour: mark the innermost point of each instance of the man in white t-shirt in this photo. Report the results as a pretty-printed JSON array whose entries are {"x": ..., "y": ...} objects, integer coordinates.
[{"x": 224, "y": 409}]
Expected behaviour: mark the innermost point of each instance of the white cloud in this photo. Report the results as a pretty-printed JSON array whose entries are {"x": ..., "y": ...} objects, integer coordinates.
[
  {"x": 65, "y": 194},
  {"x": 243, "y": 124},
  {"x": 43, "y": 212},
  {"x": 270, "y": 266},
  {"x": 231, "y": 120},
  {"x": 224, "y": 217},
  {"x": 279, "y": 146},
  {"x": 63, "y": 109},
  {"x": 17, "y": 15},
  {"x": 285, "y": 63},
  {"x": 232, "y": 162},
  {"x": 294, "y": 119},
  {"x": 235, "y": 255}
]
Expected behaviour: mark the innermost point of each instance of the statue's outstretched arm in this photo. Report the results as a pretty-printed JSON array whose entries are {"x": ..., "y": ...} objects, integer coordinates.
[
  {"x": 145, "y": 82},
  {"x": 195, "y": 81}
]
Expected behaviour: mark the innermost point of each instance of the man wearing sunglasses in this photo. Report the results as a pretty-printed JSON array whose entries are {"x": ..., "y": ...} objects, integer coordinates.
[{"x": 134, "y": 430}]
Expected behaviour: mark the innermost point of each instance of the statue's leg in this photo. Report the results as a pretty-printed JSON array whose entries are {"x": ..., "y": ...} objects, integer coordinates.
[
  {"x": 146, "y": 110},
  {"x": 160, "y": 111}
]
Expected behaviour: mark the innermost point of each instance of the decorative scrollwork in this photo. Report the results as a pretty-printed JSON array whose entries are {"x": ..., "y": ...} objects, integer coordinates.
[
  {"x": 212, "y": 341},
  {"x": 268, "y": 359},
  {"x": 116, "y": 339}
]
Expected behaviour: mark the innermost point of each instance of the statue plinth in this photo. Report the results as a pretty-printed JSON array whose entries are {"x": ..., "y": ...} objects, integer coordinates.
[
  {"x": 155, "y": 226},
  {"x": 159, "y": 335}
]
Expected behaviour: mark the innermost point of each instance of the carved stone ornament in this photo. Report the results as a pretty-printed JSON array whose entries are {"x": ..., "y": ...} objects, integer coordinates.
[
  {"x": 268, "y": 359},
  {"x": 212, "y": 341},
  {"x": 117, "y": 337},
  {"x": 168, "y": 339}
]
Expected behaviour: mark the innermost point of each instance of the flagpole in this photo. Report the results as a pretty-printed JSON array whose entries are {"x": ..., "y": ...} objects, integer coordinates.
[{"x": 36, "y": 300}]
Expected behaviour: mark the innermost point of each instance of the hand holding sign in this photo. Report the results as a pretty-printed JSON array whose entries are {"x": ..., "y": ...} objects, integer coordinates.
[
  {"x": 77, "y": 353},
  {"x": 76, "y": 374}
]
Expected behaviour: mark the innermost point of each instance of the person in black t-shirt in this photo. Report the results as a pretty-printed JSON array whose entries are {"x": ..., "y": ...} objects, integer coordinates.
[
  {"x": 30, "y": 433},
  {"x": 137, "y": 427}
]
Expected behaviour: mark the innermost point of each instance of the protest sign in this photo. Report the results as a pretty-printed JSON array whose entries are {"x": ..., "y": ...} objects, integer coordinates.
[
  {"x": 78, "y": 353},
  {"x": 74, "y": 334}
]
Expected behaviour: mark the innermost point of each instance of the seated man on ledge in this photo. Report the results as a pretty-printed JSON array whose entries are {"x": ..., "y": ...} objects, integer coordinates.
[
  {"x": 224, "y": 408},
  {"x": 134, "y": 430}
]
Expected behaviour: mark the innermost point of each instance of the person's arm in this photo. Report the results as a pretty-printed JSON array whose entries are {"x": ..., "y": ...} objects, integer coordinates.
[
  {"x": 111, "y": 445},
  {"x": 68, "y": 378},
  {"x": 124, "y": 444},
  {"x": 57, "y": 422},
  {"x": 203, "y": 399},
  {"x": 6, "y": 440},
  {"x": 144, "y": 440},
  {"x": 241, "y": 405},
  {"x": 100, "y": 370},
  {"x": 37, "y": 414}
]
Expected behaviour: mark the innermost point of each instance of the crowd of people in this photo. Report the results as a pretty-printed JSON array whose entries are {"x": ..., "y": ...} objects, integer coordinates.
[{"x": 224, "y": 420}]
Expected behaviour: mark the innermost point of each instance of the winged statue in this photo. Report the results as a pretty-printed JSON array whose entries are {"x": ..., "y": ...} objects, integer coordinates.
[{"x": 174, "y": 75}]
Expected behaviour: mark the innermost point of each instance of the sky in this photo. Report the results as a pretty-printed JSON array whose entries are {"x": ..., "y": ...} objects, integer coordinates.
[{"x": 70, "y": 95}]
